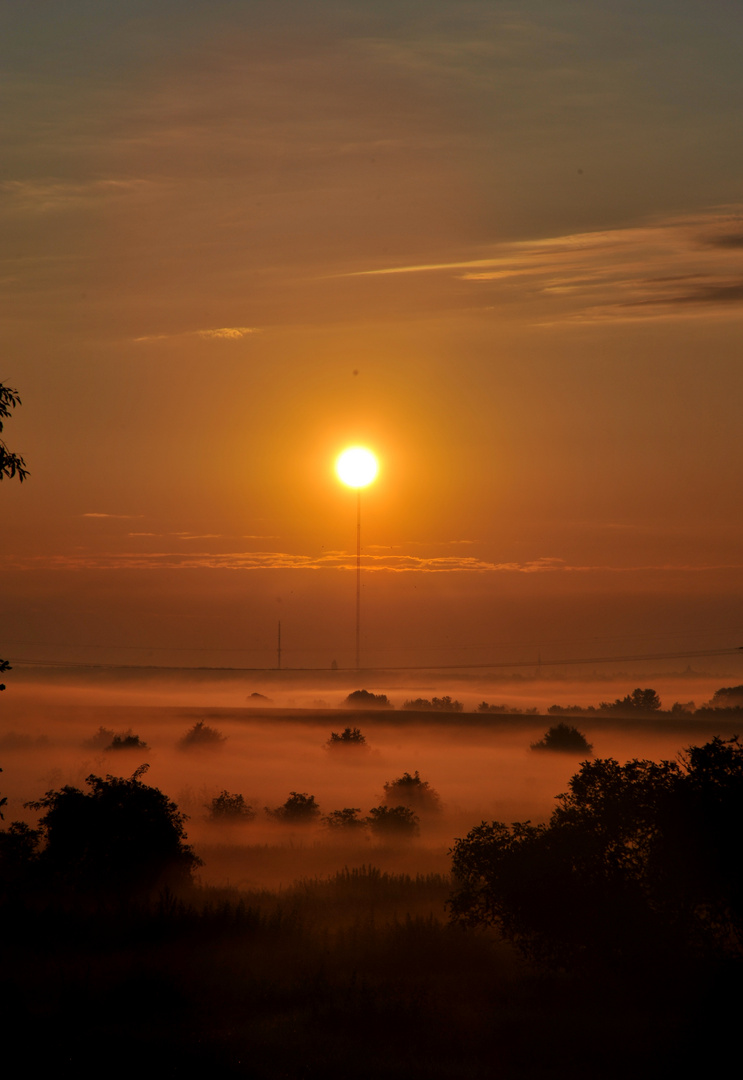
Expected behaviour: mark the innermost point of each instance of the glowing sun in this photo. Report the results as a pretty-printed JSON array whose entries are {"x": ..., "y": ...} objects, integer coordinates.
[{"x": 356, "y": 466}]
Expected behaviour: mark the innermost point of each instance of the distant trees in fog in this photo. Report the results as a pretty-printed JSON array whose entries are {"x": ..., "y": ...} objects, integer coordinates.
[
  {"x": 727, "y": 697},
  {"x": 510, "y": 710},
  {"x": 639, "y": 701},
  {"x": 386, "y": 822},
  {"x": 393, "y": 821},
  {"x": 564, "y": 739},
  {"x": 347, "y": 818},
  {"x": 349, "y": 738},
  {"x": 101, "y": 739},
  {"x": 201, "y": 736},
  {"x": 299, "y": 809},
  {"x": 104, "y": 739},
  {"x": 127, "y": 741},
  {"x": 229, "y": 808},
  {"x": 442, "y": 704},
  {"x": 365, "y": 699},
  {"x": 409, "y": 790}
]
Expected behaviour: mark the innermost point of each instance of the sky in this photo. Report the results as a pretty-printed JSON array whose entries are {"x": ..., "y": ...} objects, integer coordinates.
[{"x": 500, "y": 244}]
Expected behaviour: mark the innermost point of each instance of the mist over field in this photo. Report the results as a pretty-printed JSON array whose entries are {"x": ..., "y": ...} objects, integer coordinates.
[{"x": 481, "y": 765}]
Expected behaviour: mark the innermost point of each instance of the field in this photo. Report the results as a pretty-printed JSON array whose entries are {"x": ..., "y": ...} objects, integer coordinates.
[{"x": 301, "y": 952}]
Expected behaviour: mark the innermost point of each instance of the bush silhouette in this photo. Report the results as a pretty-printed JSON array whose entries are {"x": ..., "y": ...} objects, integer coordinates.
[
  {"x": 201, "y": 736},
  {"x": 349, "y": 738},
  {"x": 639, "y": 866},
  {"x": 299, "y": 809},
  {"x": 393, "y": 821},
  {"x": 366, "y": 700},
  {"x": 564, "y": 739},
  {"x": 127, "y": 741},
  {"x": 101, "y": 740},
  {"x": 410, "y": 790},
  {"x": 18, "y": 856},
  {"x": 230, "y": 808},
  {"x": 119, "y": 838},
  {"x": 347, "y": 818}
]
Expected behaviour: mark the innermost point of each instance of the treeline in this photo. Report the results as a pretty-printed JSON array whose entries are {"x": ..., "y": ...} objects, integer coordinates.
[{"x": 728, "y": 700}]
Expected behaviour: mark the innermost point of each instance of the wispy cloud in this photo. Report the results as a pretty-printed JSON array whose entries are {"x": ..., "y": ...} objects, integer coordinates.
[
  {"x": 51, "y": 194},
  {"x": 220, "y": 333},
  {"x": 338, "y": 561},
  {"x": 202, "y": 536},
  {"x": 118, "y": 517},
  {"x": 687, "y": 266}
]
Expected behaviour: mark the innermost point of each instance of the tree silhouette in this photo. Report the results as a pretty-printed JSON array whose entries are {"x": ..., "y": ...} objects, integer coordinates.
[
  {"x": 120, "y": 838},
  {"x": 727, "y": 697},
  {"x": 349, "y": 738},
  {"x": 563, "y": 738},
  {"x": 10, "y": 464},
  {"x": 411, "y": 791},
  {"x": 367, "y": 700},
  {"x": 442, "y": 704},
  {"x": 393, "y": 821},
  {"x": 347, "y": 818},
  {"x": 639, "y": 701},
  {"x": 640, "y": 864},
  {"x": 201, "y": 735},
  {"x": 299, "y": 809},
  {"x": 226, "y": 807},
  {"x": 127, "y": 741}
]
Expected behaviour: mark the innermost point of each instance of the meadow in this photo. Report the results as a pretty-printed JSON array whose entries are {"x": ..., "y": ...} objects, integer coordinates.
[{"x": 303, "y": 951}]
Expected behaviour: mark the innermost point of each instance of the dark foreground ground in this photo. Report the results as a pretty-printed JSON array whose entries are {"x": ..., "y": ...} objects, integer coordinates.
[
  {"x": 356, "y": 973},
  {"x": 359, "y": 975}
]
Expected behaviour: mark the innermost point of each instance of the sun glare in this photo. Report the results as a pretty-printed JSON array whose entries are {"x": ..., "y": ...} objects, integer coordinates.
[{"x": 356, "y": 466}]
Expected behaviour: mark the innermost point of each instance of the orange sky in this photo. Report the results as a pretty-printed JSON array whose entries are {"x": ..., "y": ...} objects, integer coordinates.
[{"x": 501, "y": 244}]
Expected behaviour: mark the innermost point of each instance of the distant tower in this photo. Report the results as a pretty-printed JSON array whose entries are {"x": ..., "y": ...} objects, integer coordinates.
[{"x": 278, "y": 650}]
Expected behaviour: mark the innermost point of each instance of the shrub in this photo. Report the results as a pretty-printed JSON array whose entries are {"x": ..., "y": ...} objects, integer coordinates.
[
  {"x": 682, "y": 708},
  {"x": 101, "y": 740},
  {"x": 18, "y": 854},
  {"x": 393, "y": 821},
  {"x": 411, "y": 791},
  {"x": 639, "y": 866},
  {"x": 349, "y": 737},
  {"x": 201, "y": 736},
  {"x": 121, "y": 838},
  {"x": 299, "y": 809},
  {"x": 347, "y": 818},
  {"x": 564, "y": 739},
  {"x": 366, "y": 700},
  {"x": 443, "y": 704},
  {"x": 127, "y": 741},
  {"x": 226, "y": 807}
]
